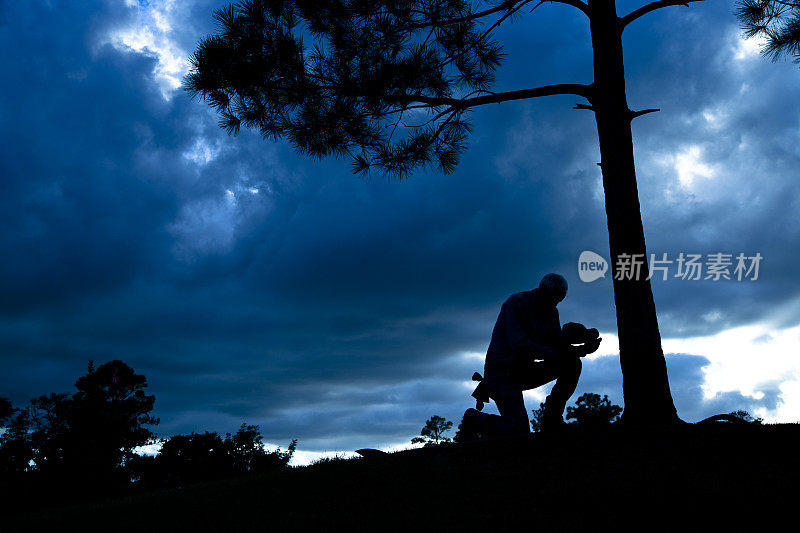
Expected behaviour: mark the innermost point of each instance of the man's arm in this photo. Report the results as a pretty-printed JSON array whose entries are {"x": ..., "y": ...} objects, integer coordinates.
[{"x": 518, "y": 338}]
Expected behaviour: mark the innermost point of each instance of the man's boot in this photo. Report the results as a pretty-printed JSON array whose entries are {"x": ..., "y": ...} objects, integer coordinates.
[{"x": 473, "y": 425}]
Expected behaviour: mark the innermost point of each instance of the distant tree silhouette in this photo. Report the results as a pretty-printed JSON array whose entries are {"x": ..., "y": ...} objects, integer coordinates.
[
  {"x": 16, "y": 450},
  {"x": 87, "y": 438},
  {"x": 433, "y": 432},
  {"x": 6, "y": 410},
  {"x": 50, "y": 436},
  {"x": 248, "y": 454},
  {"x": 592, "y": 410},
  {"x": 196, "y": 457},
  {"x": 65, "y": 448},
  {"x": 391, "y": 83},
  {"x": 109, "y": 415},
  {"x": 775, "y": 21}
]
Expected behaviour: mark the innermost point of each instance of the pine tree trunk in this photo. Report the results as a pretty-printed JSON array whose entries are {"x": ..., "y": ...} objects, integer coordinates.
[{"x": 645, "y": 383}]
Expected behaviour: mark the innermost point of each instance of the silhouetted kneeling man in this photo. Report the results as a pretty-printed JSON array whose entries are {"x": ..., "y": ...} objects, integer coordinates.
[{"x": 527, "y": 350}]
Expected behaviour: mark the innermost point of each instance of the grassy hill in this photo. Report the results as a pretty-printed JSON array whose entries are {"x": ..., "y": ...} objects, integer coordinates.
[{"x": 655, "y": 479}]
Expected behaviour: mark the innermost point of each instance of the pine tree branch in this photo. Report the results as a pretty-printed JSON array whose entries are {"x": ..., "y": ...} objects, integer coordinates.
[
  {"x": 633, "y": 15},
  {"x": 496, "y": 98},
  {"x": 466, "y": 18},
  {"x": 505, "y": 5},
  {"x": 497, "y": 23},
  {"x": 508, "y": 14}
]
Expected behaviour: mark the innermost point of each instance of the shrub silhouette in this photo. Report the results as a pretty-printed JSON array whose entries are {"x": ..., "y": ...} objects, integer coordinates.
[
  {"x": 746, "y": 417},
  {"x": 197, "y": 457},
  {"x": 589, "y": 410},
  {"x": 592, "y": 410}
]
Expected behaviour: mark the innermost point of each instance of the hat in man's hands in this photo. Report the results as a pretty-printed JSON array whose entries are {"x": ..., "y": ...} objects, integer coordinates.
[{"x": 576, "y": 333}]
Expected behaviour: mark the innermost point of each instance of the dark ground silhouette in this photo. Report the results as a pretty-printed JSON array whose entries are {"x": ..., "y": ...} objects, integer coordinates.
[
  {"x": 588, "y": 474},
  {"x": 681, "y": 478}
]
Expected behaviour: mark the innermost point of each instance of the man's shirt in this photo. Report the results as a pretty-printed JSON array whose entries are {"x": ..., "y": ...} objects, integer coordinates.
[{"x": 523, "y": 329}]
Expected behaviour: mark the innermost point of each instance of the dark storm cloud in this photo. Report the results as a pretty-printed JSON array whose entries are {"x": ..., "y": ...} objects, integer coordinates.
[
  {"x": 333, "y": 309},
  {"x": 69, "y": 195},
  {"x": 753, "y": 146}
]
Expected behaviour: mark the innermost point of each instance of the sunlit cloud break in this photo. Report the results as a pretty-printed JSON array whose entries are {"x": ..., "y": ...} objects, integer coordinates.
[{"x": 149, "y": 35}]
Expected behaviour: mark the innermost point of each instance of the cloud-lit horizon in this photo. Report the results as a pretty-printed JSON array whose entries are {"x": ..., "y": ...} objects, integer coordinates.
[{"x": 250, "y": 284}]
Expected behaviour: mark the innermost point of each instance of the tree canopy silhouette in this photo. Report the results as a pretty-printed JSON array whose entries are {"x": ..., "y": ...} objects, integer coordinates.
[
  {"x": 390, "y": 83},
  {"x": 776, "y": 21},
  {"x": 65, "y": 448},
  {"x": 92, "y": 433}
]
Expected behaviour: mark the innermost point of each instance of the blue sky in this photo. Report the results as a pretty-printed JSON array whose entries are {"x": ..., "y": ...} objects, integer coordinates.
[{"x": 250, "y": 284}]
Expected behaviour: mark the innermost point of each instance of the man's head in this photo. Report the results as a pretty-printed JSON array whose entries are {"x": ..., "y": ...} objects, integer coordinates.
[{"x": 553, "y": 288}]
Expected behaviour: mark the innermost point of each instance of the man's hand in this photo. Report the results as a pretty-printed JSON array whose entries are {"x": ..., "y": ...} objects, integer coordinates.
[
  {"x": 591, "y": 346},
  {"x": 574, "y": 351},
  {"x": 584, "y": 349}
]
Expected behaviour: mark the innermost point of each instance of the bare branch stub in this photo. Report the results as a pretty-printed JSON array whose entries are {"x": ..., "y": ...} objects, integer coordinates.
[
  {"x": 574, "y": 3},
  {"x": 635, "y": 114}
]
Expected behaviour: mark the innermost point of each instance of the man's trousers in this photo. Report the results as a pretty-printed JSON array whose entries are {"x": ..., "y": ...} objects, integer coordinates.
[{"x": 505, "y": 389}]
